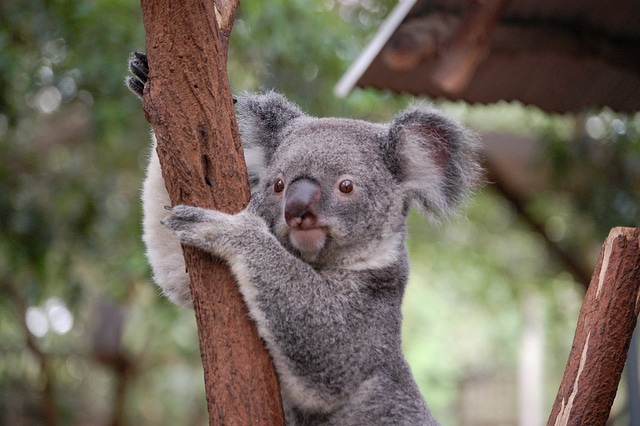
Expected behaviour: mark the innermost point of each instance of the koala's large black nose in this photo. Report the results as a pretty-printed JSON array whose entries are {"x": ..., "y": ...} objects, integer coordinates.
[{"x": 301, "y": 204}]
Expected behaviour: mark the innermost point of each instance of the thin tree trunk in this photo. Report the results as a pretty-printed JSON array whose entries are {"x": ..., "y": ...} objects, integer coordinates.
[
  {"x": 605, "y": 327},
  {"x": 188, "y": 102}
]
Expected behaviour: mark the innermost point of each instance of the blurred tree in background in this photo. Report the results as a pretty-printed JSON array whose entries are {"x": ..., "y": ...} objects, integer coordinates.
[{"x": 85, "y": 337}]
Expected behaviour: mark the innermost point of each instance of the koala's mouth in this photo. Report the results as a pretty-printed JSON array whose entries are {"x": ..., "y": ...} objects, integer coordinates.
[{"x": 308, "y": 240}]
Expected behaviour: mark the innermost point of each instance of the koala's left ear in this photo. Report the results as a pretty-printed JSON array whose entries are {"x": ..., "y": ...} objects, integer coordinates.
[{"x": 435, "y": 158}]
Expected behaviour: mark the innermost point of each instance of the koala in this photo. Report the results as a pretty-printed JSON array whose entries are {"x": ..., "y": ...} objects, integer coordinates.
[{"x": 319, "y": 253}]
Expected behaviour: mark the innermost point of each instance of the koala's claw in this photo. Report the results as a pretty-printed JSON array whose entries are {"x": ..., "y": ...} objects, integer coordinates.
[
  {"x": 183, "y": 214},
  {"x": 135, "y": 86},
  {"x": 139, "y": 67}
]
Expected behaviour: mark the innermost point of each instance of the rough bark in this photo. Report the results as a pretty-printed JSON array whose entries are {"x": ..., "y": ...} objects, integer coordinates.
[
  {"x": 188, "y": 102},
  {"x": 605, "y": 327}
]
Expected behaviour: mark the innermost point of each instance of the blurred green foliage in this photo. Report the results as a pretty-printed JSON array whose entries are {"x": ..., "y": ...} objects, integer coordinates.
[
  {"x": 600, "y": 168},
  {"x": 85, "y": 336}
]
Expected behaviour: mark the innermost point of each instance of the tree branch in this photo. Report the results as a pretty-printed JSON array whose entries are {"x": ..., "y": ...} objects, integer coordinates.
[
  {"x": 605, "y": 327},
  {"x": 188, "y": 102}
]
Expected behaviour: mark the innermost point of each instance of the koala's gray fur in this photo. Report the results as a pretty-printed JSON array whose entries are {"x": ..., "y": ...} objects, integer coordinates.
[{"x": 325, "y": 291}]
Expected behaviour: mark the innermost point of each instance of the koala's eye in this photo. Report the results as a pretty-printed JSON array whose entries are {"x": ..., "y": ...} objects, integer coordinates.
[
  {"x": 278, "y": 186},
  {"x": 346, "y": 186}
]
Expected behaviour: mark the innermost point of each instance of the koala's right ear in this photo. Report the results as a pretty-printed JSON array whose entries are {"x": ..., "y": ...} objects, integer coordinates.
[
  {"x": 435, "y": 159},
  {"x": 261, "y": 117}
]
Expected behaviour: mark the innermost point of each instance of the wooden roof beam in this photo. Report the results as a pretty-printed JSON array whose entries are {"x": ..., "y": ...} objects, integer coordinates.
[{"x": 469, "y": 47}]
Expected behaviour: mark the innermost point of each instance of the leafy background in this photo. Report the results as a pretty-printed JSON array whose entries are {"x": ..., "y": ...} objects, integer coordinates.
[{"x": 85, "y": 337}]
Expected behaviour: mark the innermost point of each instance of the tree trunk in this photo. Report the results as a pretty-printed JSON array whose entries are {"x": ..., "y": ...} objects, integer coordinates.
[
  {"x": 605, "y": 327},
  {"x": 188, "y": 102}
]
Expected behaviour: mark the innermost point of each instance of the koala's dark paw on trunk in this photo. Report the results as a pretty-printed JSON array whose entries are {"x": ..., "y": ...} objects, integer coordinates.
[{"x": 140, "y": 69}]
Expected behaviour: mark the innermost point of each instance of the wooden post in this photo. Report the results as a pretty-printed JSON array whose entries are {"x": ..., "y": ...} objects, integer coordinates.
[
  {"x": 605, "y": 326},
  {"x": 188, "y": 102}
]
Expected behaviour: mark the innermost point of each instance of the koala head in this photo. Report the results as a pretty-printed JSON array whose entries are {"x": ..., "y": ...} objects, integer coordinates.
[{"x": 336, "y": 191}]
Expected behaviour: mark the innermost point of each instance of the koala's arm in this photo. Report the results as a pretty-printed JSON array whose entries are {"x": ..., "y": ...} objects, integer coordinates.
[
  {"x": 313, "y": 324},
  {"x": 162, "y": 248}
]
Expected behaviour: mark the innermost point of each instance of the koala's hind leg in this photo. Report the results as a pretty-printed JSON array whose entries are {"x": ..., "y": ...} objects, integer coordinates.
[
  {"x": 140, "y": 69},
  {"x": 163, "y": 249}
]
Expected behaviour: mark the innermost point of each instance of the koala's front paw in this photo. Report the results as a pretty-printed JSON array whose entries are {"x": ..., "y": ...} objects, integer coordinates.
[{"x": 194, "y": 226}]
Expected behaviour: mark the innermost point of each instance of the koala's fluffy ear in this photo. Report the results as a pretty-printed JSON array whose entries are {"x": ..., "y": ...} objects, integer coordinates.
[
  {"x": 435, "y": 158},
  {"x": 261, "y": 117}
]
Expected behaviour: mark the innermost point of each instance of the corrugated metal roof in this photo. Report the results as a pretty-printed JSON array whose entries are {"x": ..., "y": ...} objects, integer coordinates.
[{"x": 562, "y": 56}]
